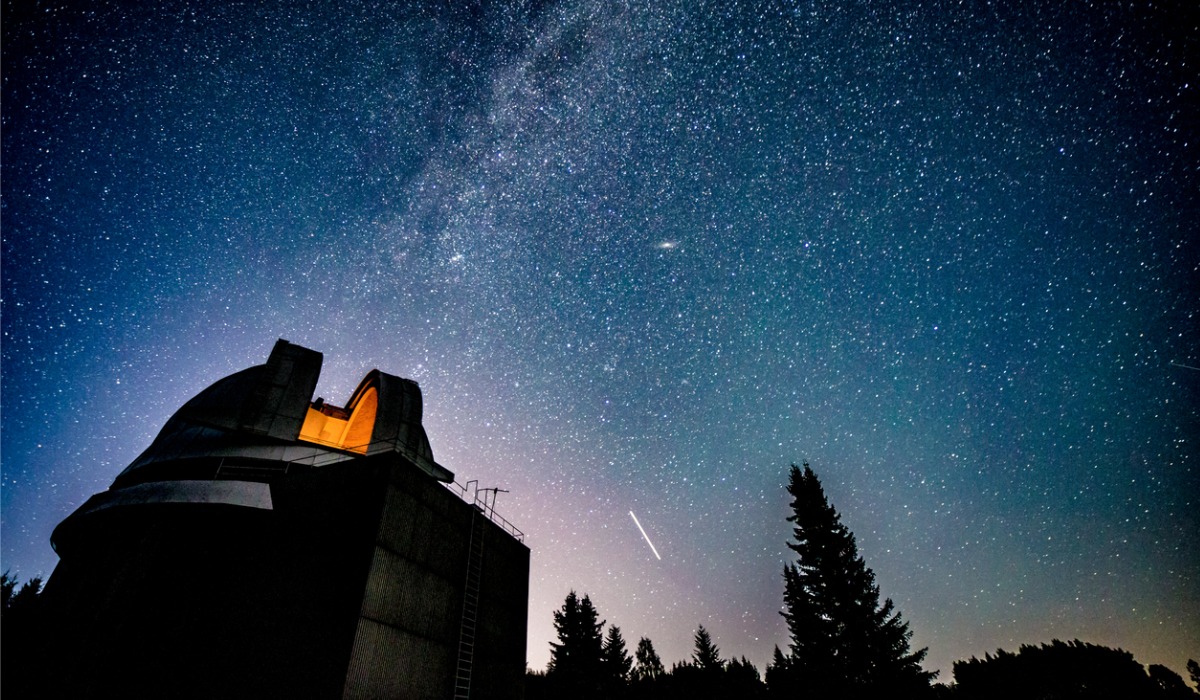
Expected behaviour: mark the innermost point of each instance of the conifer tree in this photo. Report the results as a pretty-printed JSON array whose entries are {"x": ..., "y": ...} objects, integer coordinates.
[
  {"x": 617, "y": 663},
  {"x": 576, "y": 659},
  {"x": 707, "y": 656},
  {"x": 743, "y": 679},
  {"x": 22, "y": 659},
  {"x": 649, "y": 665},
  {"x": 843, "y": 642},
  {"x": 780, "y": 675}
]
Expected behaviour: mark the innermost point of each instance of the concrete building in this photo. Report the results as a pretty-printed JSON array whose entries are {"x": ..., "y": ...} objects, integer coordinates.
[{"x": 268, "y": 545}]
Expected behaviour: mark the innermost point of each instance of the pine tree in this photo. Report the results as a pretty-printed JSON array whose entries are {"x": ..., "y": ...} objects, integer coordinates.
[
  {"x": 18, "y": 600},
  {"x": 707, "y": 656},
  {"x": 743, "y": 680},
  {"x": 22, "y": 655},
  {"x": 780, "y": 675},
  {"x": 649, "y": 665},
  {"x": 1168, "y": 683},
  {"x": 575, "y": 667},
  {"x": 8, "y": 584},
  {"x": 617, "y": 663},
  {"x": 842, "y": 641}
]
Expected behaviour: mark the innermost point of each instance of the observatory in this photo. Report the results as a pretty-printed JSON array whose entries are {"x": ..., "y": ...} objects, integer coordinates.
[{"x": 270, "y": 545}]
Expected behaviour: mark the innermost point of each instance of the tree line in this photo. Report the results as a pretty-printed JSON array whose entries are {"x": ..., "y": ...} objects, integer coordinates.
[
  {"x": 21, "y": 624},
  {"x": 587, "y": 662},
  {"x": 842, "y": 643}
]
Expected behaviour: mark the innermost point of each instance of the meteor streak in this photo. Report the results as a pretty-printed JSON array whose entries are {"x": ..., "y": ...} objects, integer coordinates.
[{"x": 643, "y": 531}]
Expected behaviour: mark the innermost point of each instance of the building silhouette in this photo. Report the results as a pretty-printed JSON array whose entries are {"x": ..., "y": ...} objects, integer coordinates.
[{"x": 267, "y": 545}]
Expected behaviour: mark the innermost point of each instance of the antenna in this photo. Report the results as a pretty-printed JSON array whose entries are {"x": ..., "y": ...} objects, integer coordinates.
[{"x": 490, "y": 509}]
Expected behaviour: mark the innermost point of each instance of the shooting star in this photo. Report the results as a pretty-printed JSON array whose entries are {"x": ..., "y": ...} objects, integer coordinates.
[
  {"x": 643, "y": 531},
  {"x": 1185, "y": 366}
]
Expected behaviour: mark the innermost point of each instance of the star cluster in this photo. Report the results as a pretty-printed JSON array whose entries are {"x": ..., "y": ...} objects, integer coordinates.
[{"x": 642, "y": 256}]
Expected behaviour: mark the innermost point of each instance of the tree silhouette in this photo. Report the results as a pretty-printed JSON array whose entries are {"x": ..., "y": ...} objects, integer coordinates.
[
  {"x": 576, "y": 660},
  {"x": 22, "y": 654},
  {"x": 617, "y": 663},
  {"x": 536, "y": 685},
  {"x": 706, "y": 656},
  {"x": 780, "y": 676},
  {"x": 1170, "y": 684},
  {"x": 743, "y": 679},
  {"x": 1060, "y": 670},
  {"x": 708, "y": 676},
  {"x": 649, "y": 666},
  {"x": 649, "y": 678},
  {"x": 19, "y": 601},
  {"x": 843, "y": 642},
  {"x": 8, "y": 583},
  {"x": 1193, "y": 670}
]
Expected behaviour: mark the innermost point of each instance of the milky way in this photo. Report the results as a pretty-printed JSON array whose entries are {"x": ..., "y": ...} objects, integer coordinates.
[{"x": 642, "y": 257}]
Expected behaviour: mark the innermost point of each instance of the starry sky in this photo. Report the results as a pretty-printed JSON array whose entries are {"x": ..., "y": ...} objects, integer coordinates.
[{"x": 641, "y": 256}]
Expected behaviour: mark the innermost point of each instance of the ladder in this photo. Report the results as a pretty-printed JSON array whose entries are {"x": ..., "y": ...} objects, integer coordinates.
[{"x": 470, "y": 609}]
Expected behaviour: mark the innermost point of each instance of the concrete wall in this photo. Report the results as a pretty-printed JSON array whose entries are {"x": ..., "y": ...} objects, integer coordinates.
[
  {"x": 406, "y": 645},
  {"x": 351, "y": 585}
]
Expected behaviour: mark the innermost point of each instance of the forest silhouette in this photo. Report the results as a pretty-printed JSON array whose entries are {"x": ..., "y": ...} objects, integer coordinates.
[{"x": 842, "y": 643}]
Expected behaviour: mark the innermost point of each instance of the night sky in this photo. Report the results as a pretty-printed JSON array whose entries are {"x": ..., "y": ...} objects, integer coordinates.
[{"x": 641, "y": 257}]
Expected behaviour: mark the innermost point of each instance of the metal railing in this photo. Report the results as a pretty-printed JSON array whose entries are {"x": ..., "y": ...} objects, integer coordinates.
[
  {"x": 470, "y": 492},
  {"x": 477, "y": 497}
]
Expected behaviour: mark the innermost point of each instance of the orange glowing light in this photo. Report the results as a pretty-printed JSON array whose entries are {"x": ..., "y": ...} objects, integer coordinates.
[{"x": 346, "y": 428}]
